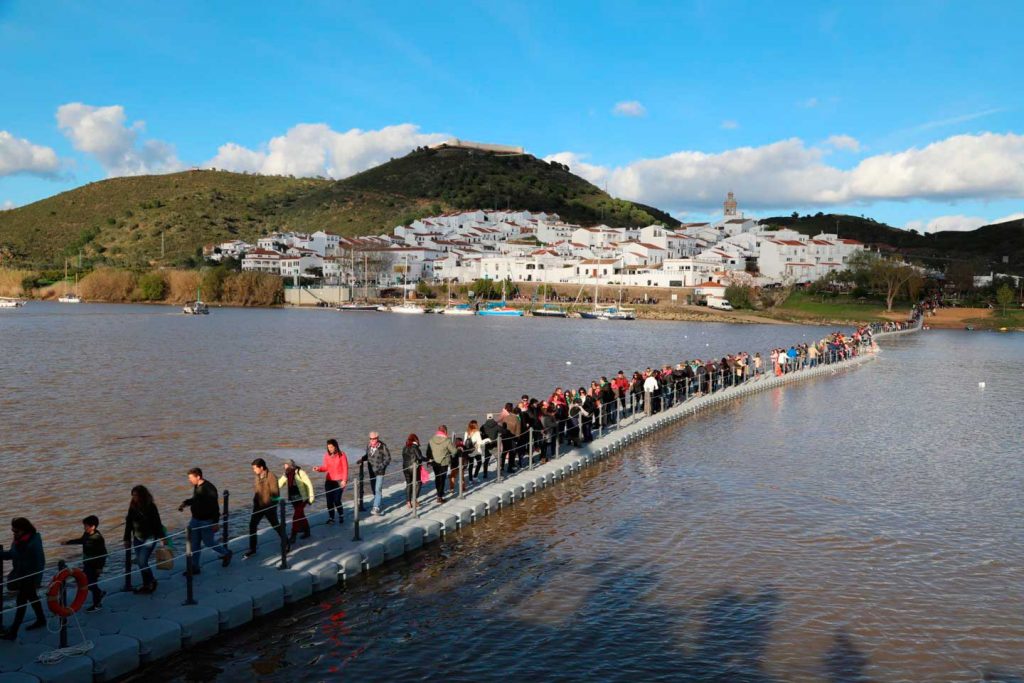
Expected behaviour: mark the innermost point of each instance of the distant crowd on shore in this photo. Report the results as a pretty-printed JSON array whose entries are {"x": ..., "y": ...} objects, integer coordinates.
[{"x": 509, "y": 440}]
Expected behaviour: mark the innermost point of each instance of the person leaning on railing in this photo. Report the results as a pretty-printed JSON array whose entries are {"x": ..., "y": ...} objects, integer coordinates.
[{"x": 27, "y": 575}]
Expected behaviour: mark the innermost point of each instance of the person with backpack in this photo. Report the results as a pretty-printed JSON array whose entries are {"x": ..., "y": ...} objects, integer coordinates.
[{"x": 440, "y": 450}]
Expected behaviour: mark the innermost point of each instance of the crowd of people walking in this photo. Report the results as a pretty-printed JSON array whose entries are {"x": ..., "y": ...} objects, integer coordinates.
[{"x": 522, "y": 432}]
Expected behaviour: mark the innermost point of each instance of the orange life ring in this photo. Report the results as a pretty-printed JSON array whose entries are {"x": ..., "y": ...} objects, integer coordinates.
[{"x": 53, "y": 592}]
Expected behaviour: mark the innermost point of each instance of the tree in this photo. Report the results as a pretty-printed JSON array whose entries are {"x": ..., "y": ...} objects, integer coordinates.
[
  {"x": 1004, "y": 297},
  {"x": 961, "y": 275},
  {"x": 891, "y": 275},
  {"x": 152, "y": 287}
]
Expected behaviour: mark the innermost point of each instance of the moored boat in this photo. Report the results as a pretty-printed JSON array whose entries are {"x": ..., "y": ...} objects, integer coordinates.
[
  {"x": 550, "y": 311},
  {"x": 461, "y": 309},
  {"x": 6, "y": 302}
]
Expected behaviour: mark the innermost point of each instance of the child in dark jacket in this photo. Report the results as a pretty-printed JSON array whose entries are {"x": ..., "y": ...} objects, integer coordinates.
[{"x": 94, "y": 558}]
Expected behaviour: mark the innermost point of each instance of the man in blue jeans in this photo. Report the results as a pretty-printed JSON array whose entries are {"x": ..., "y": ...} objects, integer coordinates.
[
  {"x": 205, "y": 516},
  {"x": 377, "y": 458}
]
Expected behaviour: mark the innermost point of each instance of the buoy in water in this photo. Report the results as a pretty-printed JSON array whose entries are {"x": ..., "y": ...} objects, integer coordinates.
[
  {"x": 568, "y": 362},
  {"x": 981, "y": 385}
]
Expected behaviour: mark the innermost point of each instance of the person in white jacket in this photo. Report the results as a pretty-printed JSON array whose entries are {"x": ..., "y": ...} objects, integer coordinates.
[
  {"x": 651, "y": 387},
  {"x": 297, "y": 488},
  {"x": 473, "y": 443}
]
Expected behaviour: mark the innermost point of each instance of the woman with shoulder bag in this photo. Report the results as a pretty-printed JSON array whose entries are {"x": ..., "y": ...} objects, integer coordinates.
[{"x": 143, "y": 530}]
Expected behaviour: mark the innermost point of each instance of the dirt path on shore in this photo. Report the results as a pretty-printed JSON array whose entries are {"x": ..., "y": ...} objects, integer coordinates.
[
  {"x": 956, "y": 318},
  {"x": 704, "y": 314}
]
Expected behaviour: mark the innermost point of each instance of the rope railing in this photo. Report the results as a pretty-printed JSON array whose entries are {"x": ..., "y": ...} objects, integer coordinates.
[{"x": 535, "y": 443}]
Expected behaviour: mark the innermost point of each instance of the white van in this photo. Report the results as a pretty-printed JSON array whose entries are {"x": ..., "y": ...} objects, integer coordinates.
[{"x": 719, "y": 302}]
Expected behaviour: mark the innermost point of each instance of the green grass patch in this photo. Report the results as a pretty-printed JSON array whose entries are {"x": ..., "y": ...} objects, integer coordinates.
[{"x": 804, "y": 305}]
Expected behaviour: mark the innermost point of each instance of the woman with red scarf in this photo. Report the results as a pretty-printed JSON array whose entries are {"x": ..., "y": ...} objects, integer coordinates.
[{"x": 27, "y": 575}]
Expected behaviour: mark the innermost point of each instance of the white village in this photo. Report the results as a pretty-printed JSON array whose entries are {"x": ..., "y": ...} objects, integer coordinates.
[{"x": 532, "y": 247}]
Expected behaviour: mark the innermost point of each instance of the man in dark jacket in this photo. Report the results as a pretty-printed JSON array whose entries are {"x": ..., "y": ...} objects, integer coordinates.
[
  {"x": 266, "y": 494},
  {"x": 510, "y": 430},
  {"x": 94, "y": 558},
  {"x": 205, "y": 515},
  {"x": 490, "y": 431},
  {"x": 377, "y": 459}
]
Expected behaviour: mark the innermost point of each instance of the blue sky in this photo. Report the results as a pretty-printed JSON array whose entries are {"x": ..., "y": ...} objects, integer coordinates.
[{"x": 909, "y": 112}]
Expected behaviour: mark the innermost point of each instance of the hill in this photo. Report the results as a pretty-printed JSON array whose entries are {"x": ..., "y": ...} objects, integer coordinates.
[
  {"x": 982, "y": 249},
  {"x": 127, "y": 221}
]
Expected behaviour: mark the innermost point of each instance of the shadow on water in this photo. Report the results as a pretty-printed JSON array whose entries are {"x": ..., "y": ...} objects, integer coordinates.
[
  {"x": 844, "y": 663},
  {"x": 487, "y": 623}
]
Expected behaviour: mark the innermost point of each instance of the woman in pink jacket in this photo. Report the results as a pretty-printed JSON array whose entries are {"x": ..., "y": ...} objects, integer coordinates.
[{"x": 336, "y": 467}]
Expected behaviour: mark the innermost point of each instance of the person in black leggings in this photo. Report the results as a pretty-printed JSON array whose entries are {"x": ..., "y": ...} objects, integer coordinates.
[{"x": 29, "y": 561}]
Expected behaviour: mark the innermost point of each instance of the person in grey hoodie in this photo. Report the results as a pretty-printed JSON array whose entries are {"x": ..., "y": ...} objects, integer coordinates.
[
  {"x": 377, "y": 458},
  {"x": 440, "y": 450}
]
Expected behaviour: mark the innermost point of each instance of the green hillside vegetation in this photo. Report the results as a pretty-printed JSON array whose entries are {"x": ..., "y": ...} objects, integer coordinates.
[
  {"x": 121, "y": 221},
  {"x": 981, "y": 250}
]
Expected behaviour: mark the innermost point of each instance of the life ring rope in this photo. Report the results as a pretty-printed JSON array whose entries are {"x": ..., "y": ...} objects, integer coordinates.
[{"x": 53, "y": 592}]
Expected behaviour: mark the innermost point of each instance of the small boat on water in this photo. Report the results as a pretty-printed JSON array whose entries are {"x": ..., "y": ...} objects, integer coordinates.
[
  {"x": 408, "y": 308},
  {"x": 69, "y": 297},
  {"x": 357, "y": 307},
  {"x": 500, "y": 311},
  {"x": 550, "y": 311},
  {"x": 197, "y": 307},
  {"x": 460, "y": 309},
  {"x": 6, "y": 302}
]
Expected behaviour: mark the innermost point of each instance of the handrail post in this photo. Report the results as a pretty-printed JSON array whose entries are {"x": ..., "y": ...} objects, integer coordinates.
[
  {"x": 460, "y": 473},
  {"x": 531, "y": 448},
  {"x": 501, "y": 457},
  {"x": 128, "y": 564},
  {"x": 281, "y": 532},
  {"x": 61, "y": 566},
  {"x": 224, "y": 523},
  {"x": 3, "y": 587},
  {"x": 416, "y": 489},
  {"x": 355, "y": 507},
  {"x": 189, "y": 595},
  {"x": 360, "y": 487}
]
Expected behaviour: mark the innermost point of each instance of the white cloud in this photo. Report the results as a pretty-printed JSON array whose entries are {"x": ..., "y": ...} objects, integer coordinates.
[
  {"x": 18, "y": 155},
  {"x": 730, "y": 124},
  {"x": 958, "y": 223},
  {"x": 595, "y": 174},
  {"x": 629, "y": 108},
  {"x": 810, "y": 103},
  {"x": 844, "y": 142},
  {"x": 7, "y": 205},
  {"x": 102, "y": 133},
  {"x": 310, "y": 149},
  {"x": 789, "y": 173}
]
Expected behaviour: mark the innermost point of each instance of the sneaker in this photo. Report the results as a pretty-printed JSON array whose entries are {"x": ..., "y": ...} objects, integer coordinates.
[
  {"x": 247, "y": 554},
  {"x": 94, "y": 609},
  {"x": 226, "y": 560},
  {"x": 375, "y": 512},
  {"x": 330, "y": 520}
]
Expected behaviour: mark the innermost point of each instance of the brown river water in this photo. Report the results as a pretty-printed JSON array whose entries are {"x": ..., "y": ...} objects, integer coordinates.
[{"x": 864, "y": 526}]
